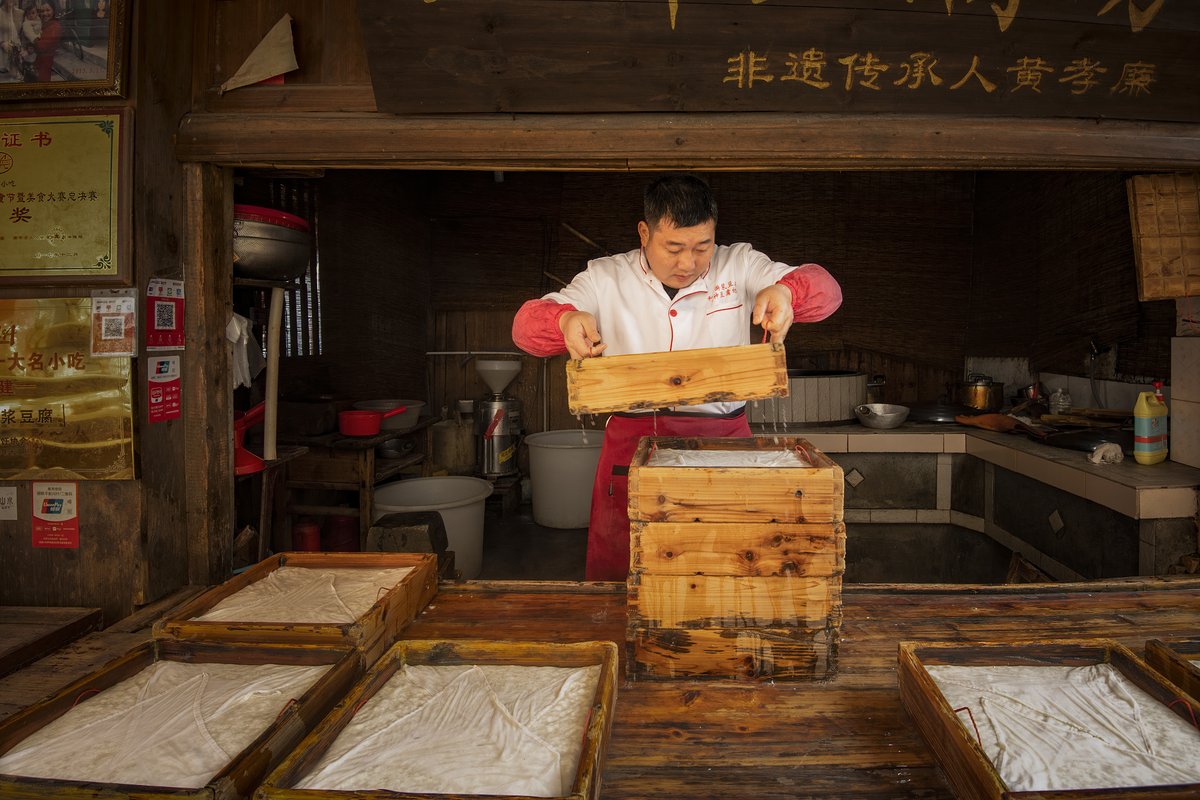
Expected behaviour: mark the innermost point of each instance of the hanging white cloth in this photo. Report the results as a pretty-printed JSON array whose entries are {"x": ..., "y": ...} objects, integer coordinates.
[{"x": 173, "y": 724}]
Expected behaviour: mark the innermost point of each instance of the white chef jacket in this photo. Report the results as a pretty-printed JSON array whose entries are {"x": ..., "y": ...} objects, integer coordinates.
[{"x": 634, "y": 314}]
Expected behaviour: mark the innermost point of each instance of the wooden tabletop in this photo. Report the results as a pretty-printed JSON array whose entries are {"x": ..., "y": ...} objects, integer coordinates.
[
  {"x": 29, "y": 632},
  {"x": 845, "y": 738}
]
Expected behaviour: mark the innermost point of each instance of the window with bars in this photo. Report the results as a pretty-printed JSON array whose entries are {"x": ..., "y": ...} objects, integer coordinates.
[{"x": 301, "y": 334}]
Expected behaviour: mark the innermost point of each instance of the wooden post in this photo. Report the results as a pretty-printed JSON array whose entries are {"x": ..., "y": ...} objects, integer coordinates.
[{"x": 207, "y": 390}]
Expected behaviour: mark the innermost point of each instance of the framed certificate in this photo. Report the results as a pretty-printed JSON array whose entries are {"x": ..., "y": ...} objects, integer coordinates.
[{"x": 64, "y": 197}]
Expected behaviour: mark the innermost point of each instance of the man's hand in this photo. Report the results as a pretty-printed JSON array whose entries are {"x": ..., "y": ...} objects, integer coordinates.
[
  {"x": 773, "y": 310},
  {"x": 580, "y": 334}
]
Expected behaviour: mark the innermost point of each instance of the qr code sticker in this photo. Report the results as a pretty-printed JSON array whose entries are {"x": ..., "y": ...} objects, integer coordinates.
[
  {"x": 112, "y": 327},
  {"x": 164, "y": 316}
]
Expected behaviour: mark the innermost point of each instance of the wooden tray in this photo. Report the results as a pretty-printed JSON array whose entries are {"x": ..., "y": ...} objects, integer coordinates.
[
  {"x": 1173, "y": 658},
  {"x": 241, "y": 775},
  {"x": 677, "y": 378},
  {"x": 751, "y": 654},
  {"x": 967, "y": 768},
  {"x": 291, "y": 770},
  {"x": 372, "y": 633}
]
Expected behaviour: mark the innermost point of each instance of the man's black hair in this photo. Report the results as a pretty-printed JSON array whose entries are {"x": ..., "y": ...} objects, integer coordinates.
[{"x": 685, "y": 200}]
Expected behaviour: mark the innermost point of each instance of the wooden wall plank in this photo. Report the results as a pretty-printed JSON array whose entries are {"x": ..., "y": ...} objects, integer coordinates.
[
  {"x": 159, "y": 250},
  {"x": 758, "y": 142}
]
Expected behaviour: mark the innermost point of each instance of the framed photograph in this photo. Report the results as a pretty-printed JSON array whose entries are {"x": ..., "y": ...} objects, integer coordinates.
[
  {"x": 56, "y": 49},
  {"x": 65, "y": 197}
]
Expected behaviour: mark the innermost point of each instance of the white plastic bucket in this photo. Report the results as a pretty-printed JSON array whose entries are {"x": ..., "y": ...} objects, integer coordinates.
[
  {"x": 562, "y": 467},
  {"x": 457, "y": 498}
]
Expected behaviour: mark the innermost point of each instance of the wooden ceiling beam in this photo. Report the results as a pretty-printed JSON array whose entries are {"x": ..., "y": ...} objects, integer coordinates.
[{"x": 636, "y": 142}]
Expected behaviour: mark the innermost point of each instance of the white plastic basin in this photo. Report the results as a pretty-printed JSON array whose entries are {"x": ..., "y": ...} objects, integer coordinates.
[{"x": 459, "y": 499}]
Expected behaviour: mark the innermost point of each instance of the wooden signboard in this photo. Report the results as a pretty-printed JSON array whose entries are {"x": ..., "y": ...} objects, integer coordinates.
[
  {"x": 1123, "y": 59},
  {"x": 65, "y": 414},
  {"x": 678, "y": 378}
]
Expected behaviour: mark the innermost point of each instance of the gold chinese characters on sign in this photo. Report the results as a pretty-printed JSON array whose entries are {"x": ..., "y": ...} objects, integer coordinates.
[
  {"x": 62, "y": 198},
  {"x": 64, "y": 414}
]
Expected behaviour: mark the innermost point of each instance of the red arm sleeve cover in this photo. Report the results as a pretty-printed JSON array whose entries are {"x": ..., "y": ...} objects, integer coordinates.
[
  {"x": 815, "y": 293},
  {"x": 535, "y": 327}
]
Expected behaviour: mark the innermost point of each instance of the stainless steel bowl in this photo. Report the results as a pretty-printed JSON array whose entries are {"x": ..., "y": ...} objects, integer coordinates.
[
  {"x": 269, "y": 252},
  {"x": 881, "y": 415}
]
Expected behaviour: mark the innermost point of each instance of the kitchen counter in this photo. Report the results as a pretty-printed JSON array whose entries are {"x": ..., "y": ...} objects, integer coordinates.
[{"x": 1160, "y": 491}]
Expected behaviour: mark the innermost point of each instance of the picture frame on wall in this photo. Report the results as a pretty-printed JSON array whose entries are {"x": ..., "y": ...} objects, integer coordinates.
[
  {"x": 59, "y": 49},
  {"x": 65, "y": 203}
]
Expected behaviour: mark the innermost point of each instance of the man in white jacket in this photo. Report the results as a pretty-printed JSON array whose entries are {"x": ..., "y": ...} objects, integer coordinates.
[{"x": 679, "y": 291}]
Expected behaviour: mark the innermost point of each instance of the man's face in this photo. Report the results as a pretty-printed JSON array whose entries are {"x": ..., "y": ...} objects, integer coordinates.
[{"x": 678, "y": 256}]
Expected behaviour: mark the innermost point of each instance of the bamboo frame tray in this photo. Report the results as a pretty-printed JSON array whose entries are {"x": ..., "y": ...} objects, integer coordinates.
[
  {"x": 242, "y": 774},
  {"x": 372, "y": 633},
  {"x": 741, "y": 495},
  {"x": 677, "y": 378},
  {"x": 298, "y": 763},
  {"x": 968, "y": 770},
  {"x": 1173, "y": 658}
]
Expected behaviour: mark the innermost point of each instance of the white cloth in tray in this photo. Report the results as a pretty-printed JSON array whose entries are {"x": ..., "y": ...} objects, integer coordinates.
[
  {"x": 173, "y": 724},
  {"x": 307, "y": 594},
  {"x": 464, "y": 730},
  {"x": 726, "y": 458},
  {"x": 1052, "y": 727}
]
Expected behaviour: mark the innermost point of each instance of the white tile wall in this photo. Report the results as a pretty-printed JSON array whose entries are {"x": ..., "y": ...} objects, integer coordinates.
[
  {"x": 1185, "y": 432},
  {"x": 1113, "y": 394},
  {"x": 1185, "y": 368}
]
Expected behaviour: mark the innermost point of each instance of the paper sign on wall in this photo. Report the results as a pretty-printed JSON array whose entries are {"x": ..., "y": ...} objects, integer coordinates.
[
  {"x": 55, "y": 515},
  {"x": 114, "y": 313},
  {"x": 164, "y": 314},
  {"x": 163, "y": 397},
  {"x": 8, "y": 502}
]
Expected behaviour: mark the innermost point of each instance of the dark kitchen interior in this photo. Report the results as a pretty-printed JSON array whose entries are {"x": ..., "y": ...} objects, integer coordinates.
[{"x": 438, "y": 262}]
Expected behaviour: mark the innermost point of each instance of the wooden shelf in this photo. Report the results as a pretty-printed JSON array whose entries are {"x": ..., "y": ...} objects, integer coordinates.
[{"x": 390, "y": 467}]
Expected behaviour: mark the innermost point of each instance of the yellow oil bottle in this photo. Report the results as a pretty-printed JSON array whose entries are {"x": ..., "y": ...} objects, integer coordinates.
[{"x": 1150, "y": 424}]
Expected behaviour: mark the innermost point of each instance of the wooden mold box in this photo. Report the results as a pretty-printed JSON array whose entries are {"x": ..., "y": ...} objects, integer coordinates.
[
  {"x": 373, "y": 632},
  {"x": 238, "y": 779},
  {"x": 300, "y": 762},
  {"x": 676, "y": 378},
  {"x": 1174, "y": 659},
  {"x": 735, "y": 494},
  {"x": 967, "y": 768},
  {"x": 735, "y": 572}
]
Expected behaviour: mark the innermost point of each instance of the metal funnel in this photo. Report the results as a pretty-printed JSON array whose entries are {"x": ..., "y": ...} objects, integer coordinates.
[{"x": 497, "y": 374}]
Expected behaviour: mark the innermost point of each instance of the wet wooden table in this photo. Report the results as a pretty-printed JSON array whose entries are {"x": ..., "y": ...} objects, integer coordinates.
[{"x": 845, "y": 738}]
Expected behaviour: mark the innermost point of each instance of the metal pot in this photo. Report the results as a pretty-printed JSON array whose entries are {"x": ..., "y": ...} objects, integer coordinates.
[{"x": 981, "y": 392}]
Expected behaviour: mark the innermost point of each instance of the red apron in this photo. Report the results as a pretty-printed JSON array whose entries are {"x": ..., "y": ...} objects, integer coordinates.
[{"x": 608, "y": 528}]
